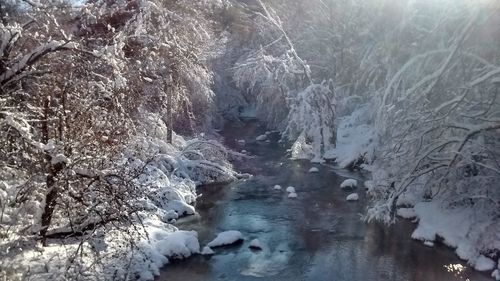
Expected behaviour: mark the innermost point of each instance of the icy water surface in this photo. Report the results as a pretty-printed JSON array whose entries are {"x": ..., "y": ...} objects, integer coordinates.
[{"x": 317, "y": 236}]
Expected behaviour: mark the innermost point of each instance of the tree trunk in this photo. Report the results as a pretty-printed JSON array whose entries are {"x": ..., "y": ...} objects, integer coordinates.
[
  {"x": 170, "y": 120},
  {"x": 52, "y": 171}
]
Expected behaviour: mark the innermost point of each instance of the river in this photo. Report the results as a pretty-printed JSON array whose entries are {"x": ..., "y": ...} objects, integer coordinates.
[{"x": 316, "y": 236}]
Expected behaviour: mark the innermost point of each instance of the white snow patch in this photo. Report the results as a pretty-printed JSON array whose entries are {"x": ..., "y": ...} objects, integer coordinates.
[
  {"x": 226, "y": 238},
  {"x": 454, "y": 226},
  {"x": 261, "y": 138},
  {"x": 313, "y": 170},
  {"x": 290, "y": 189},
  {"x": 429, "y": 243},
  {"x": 255, "y": 244},
  {"x": 483, "y": 263},
  {"x": 496, "y": 274},
  {"x": 277, "y": 187},
  {"x": 407, "y": 213},
  {"x": 352, "y": 197},
  {"x": 355, "y": 137},
  {"x": 292, "y": 195},
  {"x": 349, "y": 183},
  {"x": 207, "y": 251}
]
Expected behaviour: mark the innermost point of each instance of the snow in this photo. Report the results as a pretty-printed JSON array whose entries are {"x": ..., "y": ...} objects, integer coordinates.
[
  {"x": 277, "y": 187},
  {"x": 255, "y": 244},
  {"x": 349, "y": 183},
  {"x": 496, "y": 274},
  {"x": 301, "y": 149},
  {"x": 290, "y": 189},
  {"x": 454, "y": 227},
  {"x": 179, "y": 244},
  {"x": 483, "y": 263},
  {"x": 313, "y": 170},
  {"x": 261, "y": 138},
  {"x": 407, "y": 213},
  {"x": 242, "y": 142},
  {"x": 226, "y": 238},
  {"x": 355, "y": 137},
  {"x": 292, "y": 195},
  {"x": 429, "y": 243},
  {"x": 207, "y": 251},
  {"x": 352, "y": 197}
]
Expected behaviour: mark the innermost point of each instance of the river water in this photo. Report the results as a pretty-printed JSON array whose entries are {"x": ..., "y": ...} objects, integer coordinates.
[{"x": 317, "y": 236}]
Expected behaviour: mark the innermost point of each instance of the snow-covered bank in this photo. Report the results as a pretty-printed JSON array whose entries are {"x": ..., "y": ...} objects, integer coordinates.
[
  {"x": 467, "y": 223},
  {"x": 474, "y": 237},
  {"x": 134, "y": 244}
]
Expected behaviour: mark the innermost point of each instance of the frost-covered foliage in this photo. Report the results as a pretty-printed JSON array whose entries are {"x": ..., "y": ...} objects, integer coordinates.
[
  {"x": 416, "y": 87},
  {"x": 312, "y": 114},
  {"x": 90, "y": 170},
  {"x": 282, "y": 87}
]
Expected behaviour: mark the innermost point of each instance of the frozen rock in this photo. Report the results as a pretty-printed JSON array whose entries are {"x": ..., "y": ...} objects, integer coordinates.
[
  {"x": 277, "y": 187},
  {"x": 241, "y": 141},
  {"x": 290, "y": 189},
  {"x": 349, "y": 183},
  {"x": 292, "y": 195},
  {"x": 255, "y": 244},
  {"x": 313, "y": 170},
  {"x": 261, "y": 138},
  {"x": 352, "y": 197},
  {"x": 226, "y": 238}
]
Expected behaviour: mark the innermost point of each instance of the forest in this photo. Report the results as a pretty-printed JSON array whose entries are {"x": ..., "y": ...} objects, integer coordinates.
[{"x": 114, "y": 117}]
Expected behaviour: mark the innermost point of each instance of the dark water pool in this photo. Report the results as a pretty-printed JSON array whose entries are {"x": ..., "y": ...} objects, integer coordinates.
[{"x": 317, "y": 236}]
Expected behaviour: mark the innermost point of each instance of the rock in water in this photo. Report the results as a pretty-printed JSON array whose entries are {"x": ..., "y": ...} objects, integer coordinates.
[
  {"x": 352, "y": 197},
  {"x": 313, "y": 170},
  {"x": 226, "y": 238},
  {"x": 261, "y": 138},
  {"x": 349, "y": 183},
  {"x": 255, "y": 244}
]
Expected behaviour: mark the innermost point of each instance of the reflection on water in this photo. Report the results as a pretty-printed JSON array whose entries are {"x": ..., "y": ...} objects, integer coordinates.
[{"x": 317, "y": 236}]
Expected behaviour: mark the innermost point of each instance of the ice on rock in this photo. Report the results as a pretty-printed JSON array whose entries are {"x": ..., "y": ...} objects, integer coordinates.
[
  {"x": 261, "y": 138},
  {"x": 352, "y": 197},
  {"x": 290, "y": 189},
  {"x": 255, "y": 244},
  {"x": 226, "y": 238},
  {"x": 349, "y": 183},
  {"x": 292, "y": 195},
  {"x": 313, "y": 170},
  {"x": 207, "y": 251},
  {"x": 241, "y": 141},
  {"x": 277, "y": 187}
]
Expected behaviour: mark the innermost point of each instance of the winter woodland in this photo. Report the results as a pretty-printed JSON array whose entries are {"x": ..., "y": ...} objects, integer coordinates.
[{"x": 110, "y": 112}]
